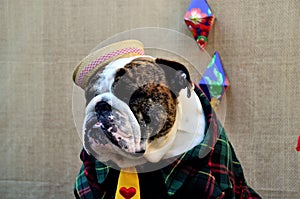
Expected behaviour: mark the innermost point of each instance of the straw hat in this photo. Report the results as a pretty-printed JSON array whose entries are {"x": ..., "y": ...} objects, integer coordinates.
[{"x": 91, "y": 64}]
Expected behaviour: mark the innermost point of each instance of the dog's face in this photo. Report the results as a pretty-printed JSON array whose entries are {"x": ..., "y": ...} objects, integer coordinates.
[{"x": 131, "y": 109}]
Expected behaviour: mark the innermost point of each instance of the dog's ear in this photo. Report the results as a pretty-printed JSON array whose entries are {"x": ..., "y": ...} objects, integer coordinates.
[{"x": 177, "y": 75}]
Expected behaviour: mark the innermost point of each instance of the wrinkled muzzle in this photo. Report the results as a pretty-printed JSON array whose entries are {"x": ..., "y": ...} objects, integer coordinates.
[{"x": 110, "y": 121}]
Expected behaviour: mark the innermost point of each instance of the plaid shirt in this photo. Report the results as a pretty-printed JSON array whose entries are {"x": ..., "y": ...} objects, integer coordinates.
[{"x": 206, "y": 171}]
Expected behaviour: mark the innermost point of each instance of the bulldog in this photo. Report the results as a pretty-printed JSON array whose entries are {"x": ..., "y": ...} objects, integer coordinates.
[
  {"x": 134, "y": 108},
  {"x": 141, "y": 111}
]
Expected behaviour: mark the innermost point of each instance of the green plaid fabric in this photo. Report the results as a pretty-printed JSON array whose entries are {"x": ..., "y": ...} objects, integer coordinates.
[{"x": 209, "y": 170}]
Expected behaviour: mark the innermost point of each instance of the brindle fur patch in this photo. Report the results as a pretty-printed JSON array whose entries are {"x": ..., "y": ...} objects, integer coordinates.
[{"x": 142, "y": 84}]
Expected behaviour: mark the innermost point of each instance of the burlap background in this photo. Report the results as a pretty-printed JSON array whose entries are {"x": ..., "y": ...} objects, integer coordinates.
[{"x": 41, "y": 42}]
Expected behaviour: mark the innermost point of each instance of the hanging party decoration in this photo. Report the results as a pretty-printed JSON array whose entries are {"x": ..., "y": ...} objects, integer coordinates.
[
  {"x": 214, "y": 81},
  {"x": 199, "y": 20}
]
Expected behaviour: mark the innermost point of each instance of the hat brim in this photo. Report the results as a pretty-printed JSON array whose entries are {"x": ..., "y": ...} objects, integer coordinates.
[{"x": 92, "y": 63}]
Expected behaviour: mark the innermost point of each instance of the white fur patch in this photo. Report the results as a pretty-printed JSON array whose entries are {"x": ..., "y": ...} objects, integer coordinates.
[{"x": 191, "y": 128}]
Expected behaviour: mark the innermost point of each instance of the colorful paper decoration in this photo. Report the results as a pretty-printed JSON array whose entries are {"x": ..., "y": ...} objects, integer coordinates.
[
  {"x": 199, "y": 20},
  {"x": 298, "y": 144},
  {"x": 214, "y": 81}
]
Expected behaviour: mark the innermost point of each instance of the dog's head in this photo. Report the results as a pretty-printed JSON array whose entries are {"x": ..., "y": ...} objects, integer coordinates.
[{"x": 131, "y": 108}]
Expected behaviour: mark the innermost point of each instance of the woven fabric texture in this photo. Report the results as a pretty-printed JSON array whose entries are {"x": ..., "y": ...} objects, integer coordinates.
[{"x": 42, "y": 41}]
